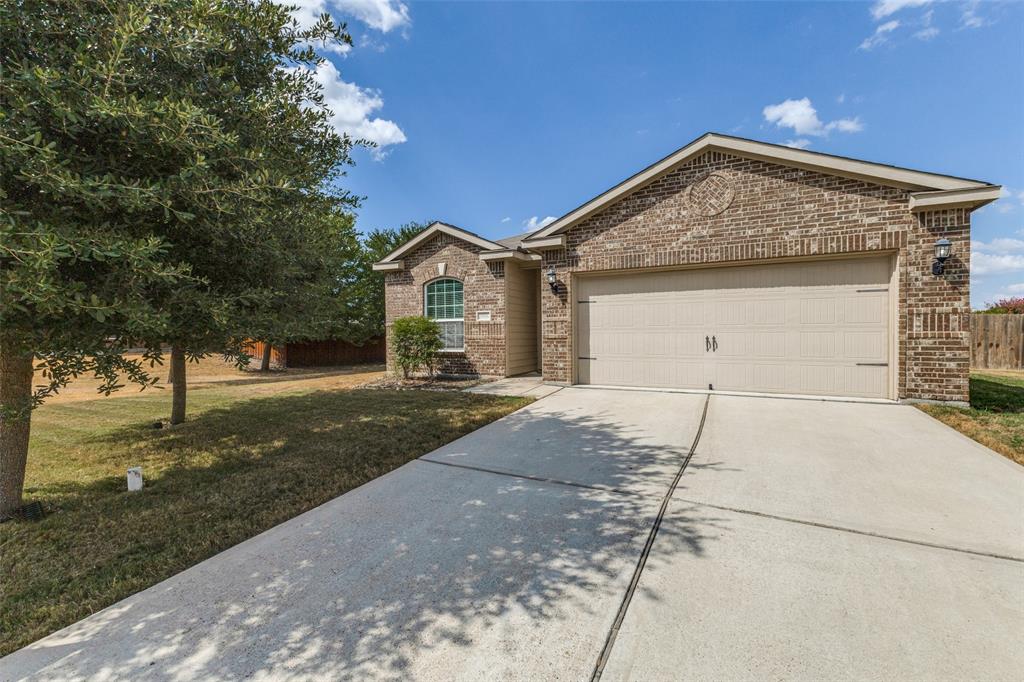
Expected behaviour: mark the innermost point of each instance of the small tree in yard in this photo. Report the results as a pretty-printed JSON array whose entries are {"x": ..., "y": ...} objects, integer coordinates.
[
  {"x": 310, "y": 295},
  {"x": 415, "y": 342}
]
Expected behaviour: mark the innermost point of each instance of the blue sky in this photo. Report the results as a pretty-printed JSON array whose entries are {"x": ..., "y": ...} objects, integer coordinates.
[{"x": 495, "y": 116}]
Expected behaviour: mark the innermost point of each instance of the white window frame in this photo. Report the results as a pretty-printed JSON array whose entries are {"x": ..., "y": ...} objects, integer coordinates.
[{"x": 462, "y": 348}]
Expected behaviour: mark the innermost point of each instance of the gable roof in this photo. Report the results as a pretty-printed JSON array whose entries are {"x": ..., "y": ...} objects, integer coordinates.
[
  {"x": 515, "y": 240},
  {"x": 964, "y": 191},
  {"x": 502, "y": 249}
]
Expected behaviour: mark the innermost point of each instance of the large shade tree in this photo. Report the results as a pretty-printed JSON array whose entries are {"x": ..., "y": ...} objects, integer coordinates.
[{"x": 146, "y": 150}]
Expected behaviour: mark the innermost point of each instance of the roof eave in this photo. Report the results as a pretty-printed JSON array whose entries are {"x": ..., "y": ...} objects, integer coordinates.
[
  {"x": 508, "y": 254},
  {"x": 543, "y": 243},
  {"x": 972, "y": 198},
  {"x": 430, "y": 231}
]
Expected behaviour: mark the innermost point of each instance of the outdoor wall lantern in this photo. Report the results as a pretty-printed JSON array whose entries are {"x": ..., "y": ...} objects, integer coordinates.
[
  {"x": 552, "y": 277},
  {"x": 943, "y": 247}
]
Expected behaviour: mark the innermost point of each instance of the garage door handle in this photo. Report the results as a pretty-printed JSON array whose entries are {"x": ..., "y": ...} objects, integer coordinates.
[
  {"x": 707, "y": 344},
  {"x": 714, "y": 344}
]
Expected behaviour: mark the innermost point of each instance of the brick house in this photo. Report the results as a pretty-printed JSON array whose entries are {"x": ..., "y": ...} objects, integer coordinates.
[{"x": 730, "y": 264}]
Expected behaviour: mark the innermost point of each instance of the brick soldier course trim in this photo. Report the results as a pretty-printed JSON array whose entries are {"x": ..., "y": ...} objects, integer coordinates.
[{"x": 721, "y": 208}]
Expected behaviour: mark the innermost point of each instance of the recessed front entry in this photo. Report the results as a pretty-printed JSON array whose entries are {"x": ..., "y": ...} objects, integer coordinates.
[{"x": 815, "y": 327}]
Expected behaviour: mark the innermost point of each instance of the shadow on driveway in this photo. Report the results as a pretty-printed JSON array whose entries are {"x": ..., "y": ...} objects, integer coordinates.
[{"x": 430, "y": 571}]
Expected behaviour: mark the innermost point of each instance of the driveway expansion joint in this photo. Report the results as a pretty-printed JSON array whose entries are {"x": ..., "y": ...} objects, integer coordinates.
[
  {"x": 854, "y": 531},
  {"x": 538, "y": 479},
  {"x": 620, "y": 616}
]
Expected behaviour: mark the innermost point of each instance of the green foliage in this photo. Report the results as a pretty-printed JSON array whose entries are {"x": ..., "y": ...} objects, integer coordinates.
[
  {"x": 1006, "y": 306},
  {"x": 168, "y": 172},
  {"x": 415, "y": 342},
  {"x": 363, "y": 315},
  {"x": 309, "y": 296}
]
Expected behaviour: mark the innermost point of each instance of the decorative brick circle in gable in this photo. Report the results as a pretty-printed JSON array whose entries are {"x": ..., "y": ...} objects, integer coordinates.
[{"x": 711, "y": 194}]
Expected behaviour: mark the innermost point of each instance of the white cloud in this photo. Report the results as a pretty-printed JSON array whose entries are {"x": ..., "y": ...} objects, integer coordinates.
[
  {"x": 352, "y": 107},
  {"x": 536, "y": 223},
  {"x": 1009, "y": 199},
  {"x": 306, "y": 13},
  {"x": 881, "y": 35},
  {"x": 506, "y": 219},
  {"x": 383, "y": 15},
  {"x": 1015, "y": 288},
  {"x": 1000, "y": 244},
  {"x": 884, "y": 8},
  {"x": 846, "y": 125},
  {"x": 988, "y": 263},
  {"x": 800, "y": 143},
  {"x": 927, "y": 33},
  {"x": 802, "y": 117},
  {"x": 969, "y": 17},
  {"x": 841, "y": 98}
]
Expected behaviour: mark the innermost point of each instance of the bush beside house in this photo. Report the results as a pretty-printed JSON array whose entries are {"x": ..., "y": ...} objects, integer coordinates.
[{"x": 415, "y": 344}]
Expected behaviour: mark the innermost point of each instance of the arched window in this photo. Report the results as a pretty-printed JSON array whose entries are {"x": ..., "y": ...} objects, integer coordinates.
[{"x": 444, "y": 305}]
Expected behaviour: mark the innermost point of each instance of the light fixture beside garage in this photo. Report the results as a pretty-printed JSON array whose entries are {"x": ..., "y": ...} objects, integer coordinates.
[
  {"x": 943, "y": 249},
  {"x": 552, "y": 278}
]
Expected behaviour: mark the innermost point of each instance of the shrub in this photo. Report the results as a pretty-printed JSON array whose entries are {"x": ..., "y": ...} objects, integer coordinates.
[
  {"x": 1013, "y": 305},
  {"x": 415, "y": 342}
]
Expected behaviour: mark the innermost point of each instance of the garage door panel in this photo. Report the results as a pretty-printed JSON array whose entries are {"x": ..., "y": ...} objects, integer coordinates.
[
  {"x": 865, "y": 346},
  {"x": 816, "y": 328},
  {"x": 817, "y": 344},
  {"x": 668, "y": 373},
  {"x": 867, "y": 381},
  {"x": 770, "y": 345},
  {"x": 768, "y": 312},
  {"x": 819, "y": 310},
  {"x": 866, "y": 308}
]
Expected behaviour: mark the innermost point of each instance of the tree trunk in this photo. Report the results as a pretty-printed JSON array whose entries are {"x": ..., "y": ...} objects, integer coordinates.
[
  {"x": 178, "y": 385},
  {"x": 265, "y": 360},
  {"x": 15, "y": 395}
]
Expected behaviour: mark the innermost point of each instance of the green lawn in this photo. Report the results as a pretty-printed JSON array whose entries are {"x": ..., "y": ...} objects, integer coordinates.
[
  {"x": 239, "y": 466},
  {"x": 996, "y": 415}
]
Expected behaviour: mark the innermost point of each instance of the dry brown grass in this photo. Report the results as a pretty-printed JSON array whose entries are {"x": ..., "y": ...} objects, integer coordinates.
[{"x": 214, "y": 372}]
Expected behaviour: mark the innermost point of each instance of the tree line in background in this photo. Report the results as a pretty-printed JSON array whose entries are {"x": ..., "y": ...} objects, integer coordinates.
[{"x": 169, "y": 177}]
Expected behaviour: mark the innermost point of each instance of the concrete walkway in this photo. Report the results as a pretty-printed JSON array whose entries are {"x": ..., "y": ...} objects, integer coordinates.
[
  {"x": 529, "y": 385},
  {"x": 807, "y": 540}
]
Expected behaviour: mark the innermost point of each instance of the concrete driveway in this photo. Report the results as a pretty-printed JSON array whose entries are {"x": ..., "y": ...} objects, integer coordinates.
[{"x": 805, "y": 540}]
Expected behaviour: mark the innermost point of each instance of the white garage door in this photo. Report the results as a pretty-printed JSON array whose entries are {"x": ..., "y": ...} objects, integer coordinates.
[{"x": 815, "y": 328}]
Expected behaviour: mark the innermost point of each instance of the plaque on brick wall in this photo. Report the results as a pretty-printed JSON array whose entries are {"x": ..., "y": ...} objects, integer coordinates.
[{"x": 711, "y": 194}]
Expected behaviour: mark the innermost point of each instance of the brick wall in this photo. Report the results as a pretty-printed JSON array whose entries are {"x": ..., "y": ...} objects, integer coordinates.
[
  {"x": 483, "y": 289},
  {"x": 779, "y": 212}
]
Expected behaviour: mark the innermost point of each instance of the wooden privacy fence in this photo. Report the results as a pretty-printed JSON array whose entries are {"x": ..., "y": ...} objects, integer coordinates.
[
  {"x": 320, "y": 353},
  {"x": 997, "y": 341}
]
